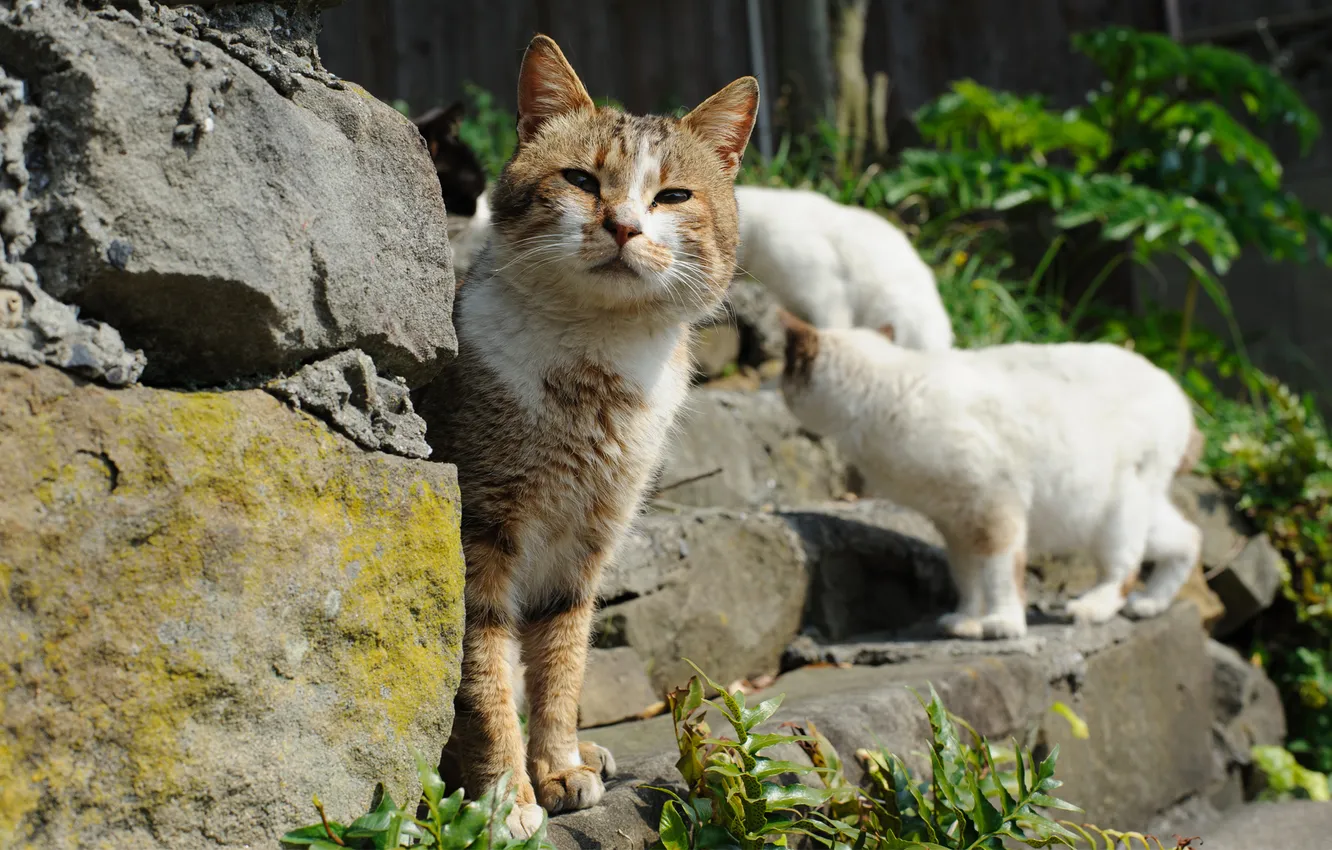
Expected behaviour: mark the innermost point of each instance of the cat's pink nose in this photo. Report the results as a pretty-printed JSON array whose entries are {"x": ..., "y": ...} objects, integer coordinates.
[{"x": 621, "y": 230}]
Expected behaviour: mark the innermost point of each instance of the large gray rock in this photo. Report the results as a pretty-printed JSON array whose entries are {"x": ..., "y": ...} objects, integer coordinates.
[
  {"x": 34, "y": 327},
  {"x": 1249, "y": 583},
  {"x": 615, "y": 687},
  {"x": 1146, "y": 700},
  {"x": 1140, "y": 686},
  {"x": 1246, "y": 712},
  {"x": 874, "y": 567},
  {"x": 1242, "y": 568},
  {"x": 211, "y": 608},
  {"x": 1292, "y": 825},
  {"x": 201, "y": 184},
  {"x": 725, "y": 590},
  {"x": 751, "y": 452}
]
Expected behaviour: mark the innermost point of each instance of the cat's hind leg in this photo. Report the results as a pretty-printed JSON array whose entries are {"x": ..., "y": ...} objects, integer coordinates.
[
  {"x": 1173, "y": 545},
  {"x": 988, "y": 561},
  {"x": 1118, "y": 550},
  {"x": 966, "y": 570},
  {"x": 1005, "y": 594}
]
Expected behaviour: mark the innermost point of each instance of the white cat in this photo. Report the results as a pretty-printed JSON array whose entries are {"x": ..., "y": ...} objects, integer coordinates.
[
  {"x": 839, "y": 266},
  {"x": 1048, "y": 449},
  {"x": 468, "y": 235}
]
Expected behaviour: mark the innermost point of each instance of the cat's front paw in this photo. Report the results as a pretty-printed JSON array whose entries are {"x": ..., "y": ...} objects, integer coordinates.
[
  {"x": 961, "y": 626},
  {"x": 1003, "y": 626},
  {"x": 1099, "y": 605},
  {"x": 578, "y": 787},
  {"x": 1142, "y": 607},
  {"x": 597, "y": 757},
  {"x": 524, "y": 820}
]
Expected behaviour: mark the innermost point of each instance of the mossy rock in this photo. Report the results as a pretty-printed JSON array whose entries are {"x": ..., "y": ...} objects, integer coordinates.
[{"x": 211, "y": 607}]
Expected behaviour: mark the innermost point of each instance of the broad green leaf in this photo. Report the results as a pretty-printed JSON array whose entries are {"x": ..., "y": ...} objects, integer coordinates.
[
  {"x": 450, "y": 806},
  {"x": 789, "y": 796},
  {"x": 1048, "y": 802},
  {"x": 308, "y": 835},
  {"x": 752, "y": 717},
  {"x": 432, "y": 787},
  {"x": 674, "y": 834},
  {"x": 1007, "y": 805},
  {"x": 984, "y": 816},
  {"x": 757, "y": 743}
]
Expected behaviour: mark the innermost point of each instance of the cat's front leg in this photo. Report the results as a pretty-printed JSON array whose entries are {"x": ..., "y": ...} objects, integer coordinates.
[
  {"x": 487, "y": 741},
  {"x": 566, "y": 774}
]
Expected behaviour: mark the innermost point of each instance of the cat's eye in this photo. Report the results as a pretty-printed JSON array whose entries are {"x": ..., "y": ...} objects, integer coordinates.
[
  {"x": 672, "y": 196},
  {"x": 582, "y": 180}
]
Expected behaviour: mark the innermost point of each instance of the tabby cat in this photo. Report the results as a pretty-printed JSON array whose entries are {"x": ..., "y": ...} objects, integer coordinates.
[{"x": 612, "y": 233}]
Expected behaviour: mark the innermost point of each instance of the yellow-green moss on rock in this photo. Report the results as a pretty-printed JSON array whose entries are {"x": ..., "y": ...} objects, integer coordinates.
[{"x": 211, "y": 607}]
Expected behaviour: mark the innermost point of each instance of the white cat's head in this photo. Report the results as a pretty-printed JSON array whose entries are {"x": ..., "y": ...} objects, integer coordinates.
[{"x": 829, "y": 372}]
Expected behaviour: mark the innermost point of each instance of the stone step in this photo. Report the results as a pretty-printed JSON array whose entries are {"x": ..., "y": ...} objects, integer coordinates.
[
  {"x": 1144, "y": 689},
  {"x": 1291, "y": 825}
]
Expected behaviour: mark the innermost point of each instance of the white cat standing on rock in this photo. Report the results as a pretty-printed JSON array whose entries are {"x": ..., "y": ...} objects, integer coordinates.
[
  {"x": 839, "y": 266},
  {"x": 1011, "y": 450}
]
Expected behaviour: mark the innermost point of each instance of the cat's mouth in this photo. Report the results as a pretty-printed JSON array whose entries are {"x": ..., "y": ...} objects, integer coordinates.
[{"x": 615, "y": 265}]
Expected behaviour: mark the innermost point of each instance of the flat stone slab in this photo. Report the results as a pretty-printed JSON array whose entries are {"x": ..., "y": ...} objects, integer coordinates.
[
  {"x": 1293, "y": 825},
  {"x": 1142, "y": 688}
]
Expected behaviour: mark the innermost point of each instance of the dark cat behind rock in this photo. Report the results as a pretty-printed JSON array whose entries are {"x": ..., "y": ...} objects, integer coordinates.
[{"x": 461, "y": 178}]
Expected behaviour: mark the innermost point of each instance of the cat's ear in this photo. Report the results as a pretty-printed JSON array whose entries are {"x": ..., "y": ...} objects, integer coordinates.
[
  {"x": 888, "y": 332},
  {"x": 725, "y": 121},
  {"x": 440, "y": 126},
  {"x": 547, "y": 87}
]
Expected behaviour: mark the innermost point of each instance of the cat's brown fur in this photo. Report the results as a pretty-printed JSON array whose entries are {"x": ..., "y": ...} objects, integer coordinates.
[{"x": 573, "y": 359}]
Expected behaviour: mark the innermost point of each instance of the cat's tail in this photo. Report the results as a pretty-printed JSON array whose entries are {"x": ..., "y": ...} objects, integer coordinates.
[{"x": 1193, "y": 453}]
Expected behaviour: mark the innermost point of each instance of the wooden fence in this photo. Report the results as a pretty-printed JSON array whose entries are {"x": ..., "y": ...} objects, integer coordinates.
[{"x": 657, "y": 54}]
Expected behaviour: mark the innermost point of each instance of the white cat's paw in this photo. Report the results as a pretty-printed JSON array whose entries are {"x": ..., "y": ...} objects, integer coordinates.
[
  {"x": 1001, "y": 626},
  {"x": 1095, "y": 607},
  {"x": 961, "y": 626},
  {"x": 1142, "y": 607},
  {"x": 525, "y": 820}
]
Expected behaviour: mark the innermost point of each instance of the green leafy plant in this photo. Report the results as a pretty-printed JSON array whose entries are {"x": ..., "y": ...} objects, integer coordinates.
[
  {"x": 1156, "y": 159},
  {"x": 489, "y": 131},
  {"x": 968, "y": 802},
  {"x": 1278, "y": 458},
  {"x": 1286, "y": 778},
  {"x": 977, "y": 796},
  {"x": 733, "y": 796},
  {"x": 449, "y": 822}
]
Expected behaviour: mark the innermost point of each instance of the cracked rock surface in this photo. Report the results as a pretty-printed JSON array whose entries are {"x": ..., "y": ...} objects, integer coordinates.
[
  {"x": 346, "y": 391},
  {"x": 197, "y": 180},
  {"x": 34, "y": 327}
]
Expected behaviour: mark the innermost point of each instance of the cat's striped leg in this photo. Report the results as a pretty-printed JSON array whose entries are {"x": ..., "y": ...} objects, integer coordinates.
[
  {"x": 567, "y": 774},
  {"x": 487, "y": 741}
]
